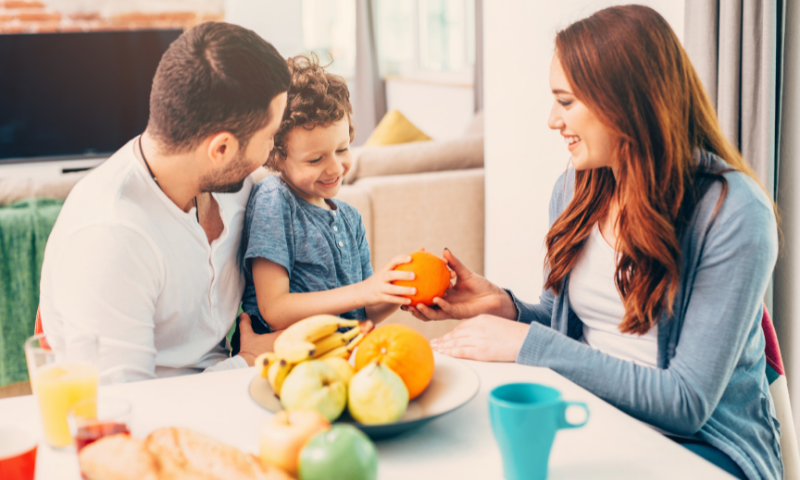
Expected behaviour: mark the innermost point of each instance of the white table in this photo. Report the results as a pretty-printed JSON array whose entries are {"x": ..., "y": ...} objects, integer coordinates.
[{"x": 459, "y": 445}]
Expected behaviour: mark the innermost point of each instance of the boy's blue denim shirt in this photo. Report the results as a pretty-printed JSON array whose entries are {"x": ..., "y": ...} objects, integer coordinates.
[{"x": 320, "y": 249}]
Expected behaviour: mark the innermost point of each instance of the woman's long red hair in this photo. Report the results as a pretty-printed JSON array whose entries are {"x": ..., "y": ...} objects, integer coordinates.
[{"x": 628, "y": 67}]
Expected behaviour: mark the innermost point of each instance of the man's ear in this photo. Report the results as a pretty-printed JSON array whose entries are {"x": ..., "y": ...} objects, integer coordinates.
[{"x": 222, "y": 148}]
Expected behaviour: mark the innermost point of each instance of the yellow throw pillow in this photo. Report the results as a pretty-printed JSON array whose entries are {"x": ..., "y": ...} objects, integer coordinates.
[{"x": 395, "y": 128}]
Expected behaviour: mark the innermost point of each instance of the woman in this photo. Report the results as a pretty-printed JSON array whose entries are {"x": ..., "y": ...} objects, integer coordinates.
[{"x": 659, "y": 253}]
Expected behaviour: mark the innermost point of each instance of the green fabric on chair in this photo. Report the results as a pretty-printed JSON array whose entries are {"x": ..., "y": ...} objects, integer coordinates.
[{"x": 24, "y": 228}]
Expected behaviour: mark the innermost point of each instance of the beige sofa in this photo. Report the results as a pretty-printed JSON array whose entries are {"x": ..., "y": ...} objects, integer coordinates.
[{"x": 418, "y": 195}]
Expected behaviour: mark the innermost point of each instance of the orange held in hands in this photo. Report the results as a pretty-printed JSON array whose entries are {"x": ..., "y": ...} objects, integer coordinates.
[
  {"x": 432, "y": 277},
  {"x": 404, "y": 350}
]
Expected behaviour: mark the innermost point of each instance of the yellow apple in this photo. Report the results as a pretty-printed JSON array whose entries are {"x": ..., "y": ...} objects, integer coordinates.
[
  {"x": 377, "y": 395},
  {"x": 285, "y": 435}
]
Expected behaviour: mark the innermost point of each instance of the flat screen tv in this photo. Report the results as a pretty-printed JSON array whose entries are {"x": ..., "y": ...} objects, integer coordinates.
[{"x": 75, "y": 95}]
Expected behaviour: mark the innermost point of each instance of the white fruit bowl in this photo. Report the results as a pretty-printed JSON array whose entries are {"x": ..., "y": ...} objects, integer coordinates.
[{"x": 452, "y": 386}]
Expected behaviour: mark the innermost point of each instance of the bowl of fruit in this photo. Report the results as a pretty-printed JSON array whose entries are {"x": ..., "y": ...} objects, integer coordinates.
[{"x": 391, "y": 383}]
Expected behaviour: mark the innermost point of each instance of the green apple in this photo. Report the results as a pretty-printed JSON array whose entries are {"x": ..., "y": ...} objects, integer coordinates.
[
  {"x": 341, "y": 453},
  {"x": 377, "y": 395},
  {"x": 316, "y": 385},
  {"x": 343, "y": 368}
]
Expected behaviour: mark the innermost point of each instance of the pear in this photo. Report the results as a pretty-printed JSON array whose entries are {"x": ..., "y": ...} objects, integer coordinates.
[
  {"x": 377, "y": 395},
  {"x": 343, "y": 368},
  {"x": 316, "y": 385}
]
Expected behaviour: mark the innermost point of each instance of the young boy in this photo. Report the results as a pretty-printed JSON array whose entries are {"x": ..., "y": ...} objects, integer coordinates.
[{"x": 303, "y": 252}]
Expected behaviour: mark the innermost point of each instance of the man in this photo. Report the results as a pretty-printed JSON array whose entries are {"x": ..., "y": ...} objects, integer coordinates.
[{"x": 144, "y": 252}]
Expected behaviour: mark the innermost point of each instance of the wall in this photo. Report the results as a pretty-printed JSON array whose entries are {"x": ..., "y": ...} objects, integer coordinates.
[
  {"x": 279, "y": 22},
  {"x": 44, "y": 16},
  {"x": 442, "y": 110},
  {"x": 523, "y": 157}
]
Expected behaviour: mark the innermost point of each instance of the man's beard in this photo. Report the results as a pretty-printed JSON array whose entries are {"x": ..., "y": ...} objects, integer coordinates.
[{"x": 222, "y": 181}]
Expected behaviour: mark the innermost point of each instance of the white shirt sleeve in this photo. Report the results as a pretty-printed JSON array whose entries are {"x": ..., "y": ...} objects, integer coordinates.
[
  {"x": 108, "y": 281},
  {"x": 231, "y": 363}
]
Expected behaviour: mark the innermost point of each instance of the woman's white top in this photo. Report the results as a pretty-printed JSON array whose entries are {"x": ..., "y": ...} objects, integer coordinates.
[{"x": 594, "y": 298}]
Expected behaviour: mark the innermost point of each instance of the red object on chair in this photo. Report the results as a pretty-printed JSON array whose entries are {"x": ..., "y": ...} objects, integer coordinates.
[
  {"x": 37, "y": 329},
  {"x": 771, "y": 350},
  {"x": 779, "y": 390}
]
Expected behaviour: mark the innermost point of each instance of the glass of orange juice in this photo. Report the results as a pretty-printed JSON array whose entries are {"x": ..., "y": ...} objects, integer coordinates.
[{"x": 61, "y": 376}]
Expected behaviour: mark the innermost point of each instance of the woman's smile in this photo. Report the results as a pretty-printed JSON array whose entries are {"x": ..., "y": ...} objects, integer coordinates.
[{"x": 572, "y": 141}]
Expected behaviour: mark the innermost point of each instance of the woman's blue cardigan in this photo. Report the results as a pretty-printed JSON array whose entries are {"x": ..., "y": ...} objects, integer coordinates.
[{"x": 710, "y": 383}]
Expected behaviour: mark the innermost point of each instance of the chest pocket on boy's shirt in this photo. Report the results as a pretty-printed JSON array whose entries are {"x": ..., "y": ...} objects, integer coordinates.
[{"x": 314, "y": 268}]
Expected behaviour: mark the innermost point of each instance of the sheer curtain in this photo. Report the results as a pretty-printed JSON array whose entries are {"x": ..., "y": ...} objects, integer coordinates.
[
  {"x": 369, "y": 102},
  {"x": 747, "y": 53}
]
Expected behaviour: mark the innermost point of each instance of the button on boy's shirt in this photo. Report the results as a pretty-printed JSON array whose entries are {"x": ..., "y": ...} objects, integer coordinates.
[{"x": 320, "y": 249}]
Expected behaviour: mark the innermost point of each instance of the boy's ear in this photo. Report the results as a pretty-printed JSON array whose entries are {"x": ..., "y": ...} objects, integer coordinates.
[{"x": 222, "y": 148}]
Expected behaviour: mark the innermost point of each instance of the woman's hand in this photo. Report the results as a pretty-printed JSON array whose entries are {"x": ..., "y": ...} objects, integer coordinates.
[
  {"x": 379, "y": 288},
  {"x": 486, "y": 338},
  {"x": 472, "y": 295},
  {"x": 253, "y": 344}
]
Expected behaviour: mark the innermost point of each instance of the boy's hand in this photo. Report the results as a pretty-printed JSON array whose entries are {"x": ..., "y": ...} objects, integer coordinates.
[{"x": 379, "y": 289}]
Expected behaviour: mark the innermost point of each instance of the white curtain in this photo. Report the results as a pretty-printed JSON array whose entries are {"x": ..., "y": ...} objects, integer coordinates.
[
  {"x": 369, "y": 97},
  {"x": 787, "y": 273},
  {"x": 478, "y": 84}
]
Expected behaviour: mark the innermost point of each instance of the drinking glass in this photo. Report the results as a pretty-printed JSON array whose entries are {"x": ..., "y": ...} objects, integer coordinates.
[
  {"x": 61, "y": 375},
  {"x": 92, "y": 419}
]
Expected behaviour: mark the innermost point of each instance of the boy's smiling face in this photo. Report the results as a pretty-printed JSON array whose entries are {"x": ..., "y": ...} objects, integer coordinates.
[{"x": 317, "y": 160}]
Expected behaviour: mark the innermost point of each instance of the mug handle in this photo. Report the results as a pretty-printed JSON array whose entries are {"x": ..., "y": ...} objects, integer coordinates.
[{"x": 562, "y": 421}]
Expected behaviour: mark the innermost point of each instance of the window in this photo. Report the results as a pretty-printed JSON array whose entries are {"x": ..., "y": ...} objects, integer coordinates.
[
  {"x": 422, "y": 39},
  {"x": 329, "y": 28}
]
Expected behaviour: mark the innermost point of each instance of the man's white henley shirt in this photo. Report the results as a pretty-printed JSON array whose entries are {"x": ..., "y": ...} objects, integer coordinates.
[{"x": 125, "y": 263}]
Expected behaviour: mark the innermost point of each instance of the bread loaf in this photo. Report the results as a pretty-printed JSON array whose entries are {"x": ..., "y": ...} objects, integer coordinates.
[
  {"x": 117, "y": 457},
  {"x": 180, "y": 451},
  {"x": 171, "y": 454}
]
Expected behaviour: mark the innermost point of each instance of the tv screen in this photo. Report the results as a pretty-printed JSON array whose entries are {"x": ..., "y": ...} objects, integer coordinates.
[{"x": 75, "y": 95}]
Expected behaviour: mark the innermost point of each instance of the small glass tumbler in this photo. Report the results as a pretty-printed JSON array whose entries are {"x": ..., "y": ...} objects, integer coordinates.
[{"x": 94, "y": 418}]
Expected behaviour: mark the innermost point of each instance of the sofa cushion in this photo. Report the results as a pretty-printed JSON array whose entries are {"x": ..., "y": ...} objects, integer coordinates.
[
  {"x": 395, "y": 128},
  {"x": 359, "y": 198},
  {"x": 432, "y": 156}
]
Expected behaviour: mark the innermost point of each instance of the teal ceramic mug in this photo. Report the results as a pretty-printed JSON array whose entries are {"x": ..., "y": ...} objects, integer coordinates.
[{"x": 525, "y": 418}]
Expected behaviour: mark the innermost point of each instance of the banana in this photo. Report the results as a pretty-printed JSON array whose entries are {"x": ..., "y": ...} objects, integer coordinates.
[
  {"x": 334, "y": 340},
  {"x": 278, "y": 371},
  {"x": 340, "y": 352},
  {"x": 352, "y": 344},
  {"x": 296, "y": 343},
  {"x": 326, "y": 344},
  {"x": 263, "y": 361},
  {"x": 351, "y": 334}
]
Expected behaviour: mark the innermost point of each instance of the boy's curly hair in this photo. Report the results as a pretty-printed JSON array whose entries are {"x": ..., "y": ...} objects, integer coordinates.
[{"x": 315, "y": 98}]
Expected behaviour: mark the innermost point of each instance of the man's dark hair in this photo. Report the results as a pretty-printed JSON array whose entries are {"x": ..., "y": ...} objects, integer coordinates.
[{"x": 215, "y": 77}]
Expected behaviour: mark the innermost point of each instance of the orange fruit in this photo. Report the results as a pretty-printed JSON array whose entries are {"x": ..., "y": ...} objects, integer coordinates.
[
  {"x": 432, "y": 277},
  {"x": 402, "y": 349}
]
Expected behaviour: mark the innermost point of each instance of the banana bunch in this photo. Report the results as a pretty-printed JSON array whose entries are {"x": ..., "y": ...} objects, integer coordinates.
[{"x": 315, "y": 338}]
